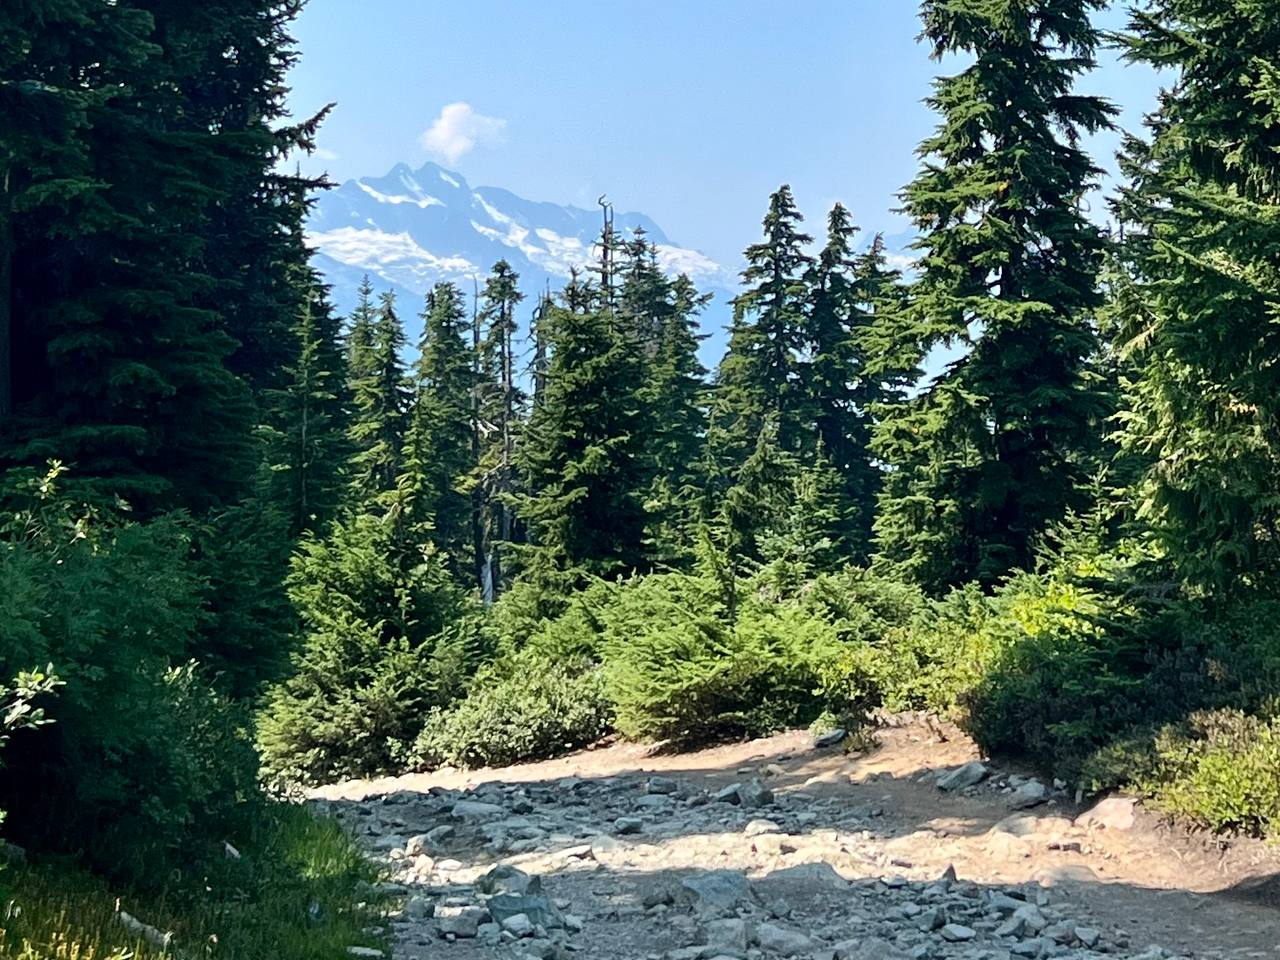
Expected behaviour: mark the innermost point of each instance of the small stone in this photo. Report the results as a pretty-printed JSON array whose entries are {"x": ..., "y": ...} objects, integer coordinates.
[
  {"x": 625, "y": 826},
  {"x": 459, "y": 921},
  {"x": 505, "y": 878},
  {"x": 935, "y": 918},
  {"x": 731, "y": 934},
  {"x": 957, "y": 933},
  {"x": 715, "y": 890},
  {"x": 518, "y": 925},
  {"x": 661, "y": 785},
  {"x": 1088, "y": 936},
  {"x": 1030, "y": 794},
  {"x": 728, "y": 794},
  {"x": 781, "y": 940},
  {"x": 757, "y": 828},
  {"x": 830, "y": 738},
  {"x": 961, "y": 777},
  {"x": 367, "y": 952}
]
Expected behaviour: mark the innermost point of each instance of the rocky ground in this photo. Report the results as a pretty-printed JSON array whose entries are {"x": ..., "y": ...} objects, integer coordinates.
[{"x": 787, "y": 848}]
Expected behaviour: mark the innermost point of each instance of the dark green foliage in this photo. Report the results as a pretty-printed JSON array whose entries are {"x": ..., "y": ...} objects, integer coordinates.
[
  {"x": 583, "y": 458},
  {"x": 531, "y": 710},
  {"x": 382, "y": 645},
  {"x": 116, "y": 611},
  {"x": 497, "y": 416},
  {"x": 991, "y": 451},
  {"x": 308, "y": 444},
  {"x": 439, "y": 458},
  {"x": 1200, "y": 327},
  {"x": 678, "y": 670},
  {"x": 759, "y": 377},
  {"x": 379, "y": 397},
  {"x": 842, "y": 385}
]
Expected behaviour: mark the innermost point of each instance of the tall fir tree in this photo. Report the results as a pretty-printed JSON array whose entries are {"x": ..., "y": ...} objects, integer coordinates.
[
  {"x": 438, "y": 463},
  {"x": 759, "y": 376},
  {"x": 1197, "y": 325},
  {"x": 379, "y": 401},
  {"x": 842, "y": 386},
  {"x": 990, "y": 452},
  {"x": 501, "y": 410},
  {"x": 309, "y": 446},
  {"x": 583, "y": 462}
]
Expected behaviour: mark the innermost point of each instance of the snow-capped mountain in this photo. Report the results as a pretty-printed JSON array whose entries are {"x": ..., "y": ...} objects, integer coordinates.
[{"x": 412, "y": 228}]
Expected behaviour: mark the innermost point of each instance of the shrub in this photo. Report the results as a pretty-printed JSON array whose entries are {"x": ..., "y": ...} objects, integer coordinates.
[
  {"x": 532, "y": 711},
  {"x": 386, "y": 641},
  {"x": 677, "y": 671},
  {"x": 1067, "y": 673},
  {"x": 1220, "y": 769}
]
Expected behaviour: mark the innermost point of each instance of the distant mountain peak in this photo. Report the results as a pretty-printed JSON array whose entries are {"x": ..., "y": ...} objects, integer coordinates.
[{"x": 410, "y": 229}]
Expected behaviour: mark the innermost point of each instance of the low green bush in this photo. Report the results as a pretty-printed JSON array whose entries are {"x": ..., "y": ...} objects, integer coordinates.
[
  {"x": 530, "y": 710},
  {"x": 385, "y": 642},
  {"x": 677, "y": 671},
  {"x": 1220, "y": 769}
]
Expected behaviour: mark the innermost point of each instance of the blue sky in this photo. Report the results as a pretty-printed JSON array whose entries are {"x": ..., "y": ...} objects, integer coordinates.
[{"x": 691, "y": 111}]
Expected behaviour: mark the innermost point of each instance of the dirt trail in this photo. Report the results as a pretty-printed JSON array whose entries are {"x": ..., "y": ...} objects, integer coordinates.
[{"x": 819, "y": 854}]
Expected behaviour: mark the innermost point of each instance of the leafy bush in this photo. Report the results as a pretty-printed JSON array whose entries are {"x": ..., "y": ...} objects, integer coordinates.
[
  {"x": 534, "y": 710},
  {"x": 146, "y": 769},
  {"x": 677, "y": 671},
  {"x": 386, "y": 641},
  {"x": 1220, "y": 769},
  {"x": 1067, "y": 673}
]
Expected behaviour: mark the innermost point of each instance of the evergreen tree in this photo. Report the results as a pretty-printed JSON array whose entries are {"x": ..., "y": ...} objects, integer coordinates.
[
  {"x": 583, "y": 460},
  {"x": 379, "y": 398},
  {"x": 991, "y": 451},
  {"x": 438, "y": 460},
  {"x": 310, "y": 447},
  {"x": 1198, "y": 319},
  {"x": 501, "y": 405},
  {"x": 759, "y": 376},
  {"x": 360, "y": 335},
  {"x": 844, "y": 294},
  {"x": 676, "y": 398}
]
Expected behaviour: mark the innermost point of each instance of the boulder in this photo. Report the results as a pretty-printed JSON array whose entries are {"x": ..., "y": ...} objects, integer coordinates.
[
  {"x": 781, "y": 940},
  {"x": 716, "y": 890},
  {"x": 462, "y": 922},
  {"x": 1113, "y": 813},
  {"x": 1030, "y": 794},
  {"x": 965, "y": 776}
]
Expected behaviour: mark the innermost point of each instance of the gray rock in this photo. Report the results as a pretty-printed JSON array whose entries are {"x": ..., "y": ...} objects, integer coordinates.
[
  {"x": 505, "y": 878},
  {"x": 728, "y": 794},
  {"x": 717, "y": 890},
  {"x": 957, "y": 933},
  {"x": 538, "y": 909},
  {"x": 462, "y": 922},
  {"x": 440, "y": 834},
  {"x": 1088, "y": 936},
  {"x": 754, "y": 794},
  {"x": 368, "y": 952},
  {"x": 476, "y": 810},
  {"x": 1030, "y": 794},
  {"x": 731, "y": 934},
  {"x": 870, "y": 948},
  {"x": 935, "y": 918},
  {"x": 519, "y": 925},
  {"x": 758, "y": 828},
  {"x": 628, "y": 825},
  {"x": 830, "y": 738},
  {"x": 961, "y": 777},
  {"x": 661, "y": 785},
  {"x": 782, "y": 940}
]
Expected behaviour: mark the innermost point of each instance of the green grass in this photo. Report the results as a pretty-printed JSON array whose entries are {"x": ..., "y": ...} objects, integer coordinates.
[{"x": 303, "y": 894}]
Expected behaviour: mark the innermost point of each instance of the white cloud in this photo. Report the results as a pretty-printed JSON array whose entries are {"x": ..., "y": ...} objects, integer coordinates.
[
  {"x": 324, "y": 153},
  {"x": 458, "y": 130}
]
